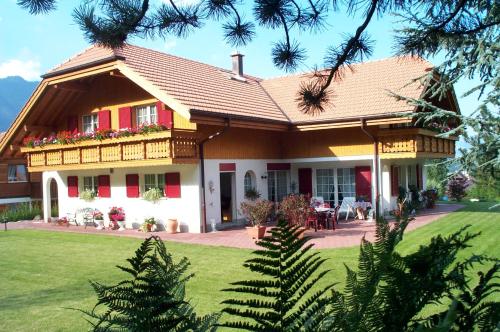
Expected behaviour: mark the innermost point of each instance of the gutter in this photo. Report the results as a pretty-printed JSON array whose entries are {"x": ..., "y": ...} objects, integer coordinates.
[
  {"x": 376, "y": 166},
  {"x": 202, "y": 171}
]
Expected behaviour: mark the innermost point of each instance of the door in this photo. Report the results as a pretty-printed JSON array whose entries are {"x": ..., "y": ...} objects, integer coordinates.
[
  {"x": 277, "y": 185},
  {"x": 227, "y": 196},
  {"x": 363, "y": 176},
  {"x": 305, "y": 181}
]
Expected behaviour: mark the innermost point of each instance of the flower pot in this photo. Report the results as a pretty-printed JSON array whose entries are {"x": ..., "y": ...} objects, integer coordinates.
[
  {"x": 121, "y": 225},
  {"x": 172, "y": 225},
  {"x": 256, "y": 232},
  {"x": 149, "y": 227},
  {"x": 100, "y": 224}
]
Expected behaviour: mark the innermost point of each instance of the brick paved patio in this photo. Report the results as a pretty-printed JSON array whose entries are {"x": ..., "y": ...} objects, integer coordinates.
[{"x": 347, "y": 233}]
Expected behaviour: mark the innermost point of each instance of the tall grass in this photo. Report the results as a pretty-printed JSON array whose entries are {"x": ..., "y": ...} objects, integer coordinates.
[{"x": 21, "y": 211}]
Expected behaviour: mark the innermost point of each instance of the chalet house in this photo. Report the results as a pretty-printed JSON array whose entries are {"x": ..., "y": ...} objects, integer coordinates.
[{"x": 120, "y": 122}]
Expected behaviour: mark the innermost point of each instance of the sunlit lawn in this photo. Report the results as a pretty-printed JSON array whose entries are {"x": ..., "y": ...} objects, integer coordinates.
[{"x": 43, "y": 273}]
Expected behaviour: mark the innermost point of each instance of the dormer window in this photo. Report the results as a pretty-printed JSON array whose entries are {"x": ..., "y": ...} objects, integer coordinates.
[
  {"x": 90, "y": 123},
  {"x": 146, "y": 114}
]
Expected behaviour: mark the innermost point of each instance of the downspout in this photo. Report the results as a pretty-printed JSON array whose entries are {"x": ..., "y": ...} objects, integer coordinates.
[
  {"x": 201, "y": 145},
  {"x": 376, "y": 166}
]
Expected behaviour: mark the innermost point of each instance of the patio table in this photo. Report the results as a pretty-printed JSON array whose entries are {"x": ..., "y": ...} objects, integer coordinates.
[{"x": 323, "y": 210}]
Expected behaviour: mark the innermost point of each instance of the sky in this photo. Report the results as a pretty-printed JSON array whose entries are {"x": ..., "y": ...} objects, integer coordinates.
[{"x": 31, "y": 45}]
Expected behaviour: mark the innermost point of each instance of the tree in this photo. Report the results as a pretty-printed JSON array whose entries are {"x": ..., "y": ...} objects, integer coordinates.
[
  {"x": 456, "y": 187},
  {"x": 281, "y": 298},
  {"x": 437, "y": 175},
  {"x": 152, "y": 300}
]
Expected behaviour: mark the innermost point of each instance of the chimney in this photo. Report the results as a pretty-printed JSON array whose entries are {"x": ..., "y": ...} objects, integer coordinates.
[{"x": 237, "y": 63}]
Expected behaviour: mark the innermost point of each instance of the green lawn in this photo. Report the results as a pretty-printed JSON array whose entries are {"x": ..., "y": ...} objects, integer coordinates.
[{"x": 42, "y": 273}]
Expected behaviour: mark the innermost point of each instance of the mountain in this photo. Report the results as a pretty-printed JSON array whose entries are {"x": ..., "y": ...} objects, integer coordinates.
[{"x": 14, "y": 92}]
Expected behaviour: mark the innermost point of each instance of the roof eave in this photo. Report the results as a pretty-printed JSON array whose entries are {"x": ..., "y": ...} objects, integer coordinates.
[{"x": 83, "y": 66}]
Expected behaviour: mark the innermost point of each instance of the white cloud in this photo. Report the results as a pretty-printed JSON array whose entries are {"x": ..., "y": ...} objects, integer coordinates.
[{"x": 29, "y": 70}]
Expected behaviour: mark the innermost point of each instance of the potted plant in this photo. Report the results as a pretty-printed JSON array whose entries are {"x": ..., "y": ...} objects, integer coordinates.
[
  {"x": 149, "y": 225},
  {"x": 252, "y": 194},
  {"x": 87, "y": 195},
  {"x": 295, "y": 209},
  {"x": 117, "y": 218},
  {"x": 99, "y": 219},
  {"x": 153, "y": 195},
  {"x": 257, "y": 212}
]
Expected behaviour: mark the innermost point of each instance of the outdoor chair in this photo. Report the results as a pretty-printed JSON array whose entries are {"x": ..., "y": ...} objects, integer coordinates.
[
  {"x": 347, "y": 207},
  {"x": 312, "y": 219},
  {"x": 334, "y": 216},
  {"x": 84, "y": 217}
]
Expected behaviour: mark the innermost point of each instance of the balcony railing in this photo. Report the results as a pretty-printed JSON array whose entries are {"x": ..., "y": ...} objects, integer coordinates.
[
  {"x": 150, "y": 149},
  {"x": 415, "y": 141}
]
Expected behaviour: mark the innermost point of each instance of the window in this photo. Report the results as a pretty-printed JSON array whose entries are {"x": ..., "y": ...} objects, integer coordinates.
[
  {"x": 325, "y": 185},
  {"x": 90, "y": 123},
  {"x": 17, "y": 173},
  {"x": 277, "y": 185},
  {"x": 154, "y": 181},
  {"x": 412, "y": 175},
  {"x": 90, "y": 183},
  {"x": 249, "y": 181},
  {"x": 146, "y": 114},
  {"x": 346, "y": 183}
]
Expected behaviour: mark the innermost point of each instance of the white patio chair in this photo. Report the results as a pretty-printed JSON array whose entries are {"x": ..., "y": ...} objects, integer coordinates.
[
  {"x": 317, "y": 200},
  {"x": 347, "y": 207}
]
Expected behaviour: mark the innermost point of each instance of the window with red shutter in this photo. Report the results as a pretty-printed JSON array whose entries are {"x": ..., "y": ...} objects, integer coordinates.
[
  {"x": 132, "y": 182},
  {"x": 72, "y": 186},
  {"x": 394, "y": 180},
  {"x": 125, "y": 117},
  {"x": 104, "y": 119},
  {"x": 104, "y": 187},
  {"x": 173, "y": 185},
  {"x": 165, "y": 116}
]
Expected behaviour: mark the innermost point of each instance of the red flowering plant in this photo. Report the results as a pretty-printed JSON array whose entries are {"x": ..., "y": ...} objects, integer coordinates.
[
  {"x": 68, "y": 137},
  {"x": 116, "y": 214}
]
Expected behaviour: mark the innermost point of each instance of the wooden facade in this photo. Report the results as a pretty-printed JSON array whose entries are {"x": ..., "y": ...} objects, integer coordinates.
[{"x": 30, "y": 188}]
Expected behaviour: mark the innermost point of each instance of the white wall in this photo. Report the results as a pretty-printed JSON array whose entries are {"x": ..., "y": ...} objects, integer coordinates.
[{"x": 185, "y": 209}]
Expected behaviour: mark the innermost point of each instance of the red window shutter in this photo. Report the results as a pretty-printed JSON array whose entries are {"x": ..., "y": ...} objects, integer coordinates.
[
  {"x": 132, "y": 182},
  {"x": 173, "y": 185},
  {"x": 165, "y": 116},
  {"x": 125, "y": 117},
  {"x": 72, "y": 186},
  {"x": 104, "y": 119},
  {"x": 103, "y": 188},
  {"x": 305, "y": 181},
  {"x": 227, "y": 167},
  {"x": 363, "y": 178},
  {"x": 394, "y": 181},
  {"x": 73, "y": 124}
]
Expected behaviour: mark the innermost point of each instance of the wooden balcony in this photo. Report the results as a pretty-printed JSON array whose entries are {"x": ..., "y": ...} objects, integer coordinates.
[
  {"x": 414, "y": 142},
  {"x": 140, "y": 150}
]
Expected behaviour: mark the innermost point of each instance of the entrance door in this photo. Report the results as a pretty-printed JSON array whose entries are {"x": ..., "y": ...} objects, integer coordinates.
[
  {"x": 305, "y": 181},
  {"x": 364, "y": 182},
  {"x": 227, "y": 196}
]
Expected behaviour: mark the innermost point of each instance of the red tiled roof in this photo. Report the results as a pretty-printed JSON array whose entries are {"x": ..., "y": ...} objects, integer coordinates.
[{"x": 205, "y": 88}]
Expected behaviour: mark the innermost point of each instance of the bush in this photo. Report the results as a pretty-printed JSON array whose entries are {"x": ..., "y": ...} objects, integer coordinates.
[
  {"x": 21, "y": 211},
  {"x": 153, "y": 195},
  {"x": 153, "y": 299},
  {"x": 87, "y": 195},
  {"x": 257, "y": 211},
  {"x": 487, "y": 189},
  {"x": 430, "y": 197},
  {"x": 456, "y": 188},
  {"x": 295, "y": 209}
]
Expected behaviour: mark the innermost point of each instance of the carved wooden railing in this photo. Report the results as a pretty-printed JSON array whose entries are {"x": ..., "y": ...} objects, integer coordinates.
[
  {"x": 116, "y": 152},
  {"x": 415, "y": 140}
]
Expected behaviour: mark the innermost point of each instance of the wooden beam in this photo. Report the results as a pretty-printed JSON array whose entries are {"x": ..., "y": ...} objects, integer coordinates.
[
  {"x": 117, "y": 74},
  {"x": 72, "y": 86},
  {"x": 14, "y": 147},
  {"x": 31, "y": 128}
]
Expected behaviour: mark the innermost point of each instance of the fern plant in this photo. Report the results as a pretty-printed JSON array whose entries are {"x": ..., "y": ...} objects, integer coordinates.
[
  {"x": 389, "y": 291},
  {"x": 153, "y": 299},
  {"x": 281, "y": 298}
]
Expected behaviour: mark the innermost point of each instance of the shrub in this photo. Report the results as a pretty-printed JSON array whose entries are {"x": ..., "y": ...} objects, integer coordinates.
[
  {"x": 295, "y": 209},
  {"x": 21, "y": 211},
  {"x": 486, "y": 188},
  {"x": 153, "y": 299},
  {"x": 257, "y": 212},
  {"x": 280, "y": 299},
  {"x": 153, "y": 195},
  {"x": 456, "y": 188},
  {"x": 430, "y": 197}
]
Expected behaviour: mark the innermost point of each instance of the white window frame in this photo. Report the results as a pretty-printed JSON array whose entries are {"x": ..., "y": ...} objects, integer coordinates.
[
  {"x": 249, "y": 181},
  {"x": 146, "y": 114},
  {"x": 91, "y": 183},
  {"x": 332, "y": 181},
  {"x": 13, "y": 171},
  {"x": 351, "y": 182},
  {"x": 278, "y": 196},
  {"x": 90, "y": 123},
  {"x": 154, "y": 181}
]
